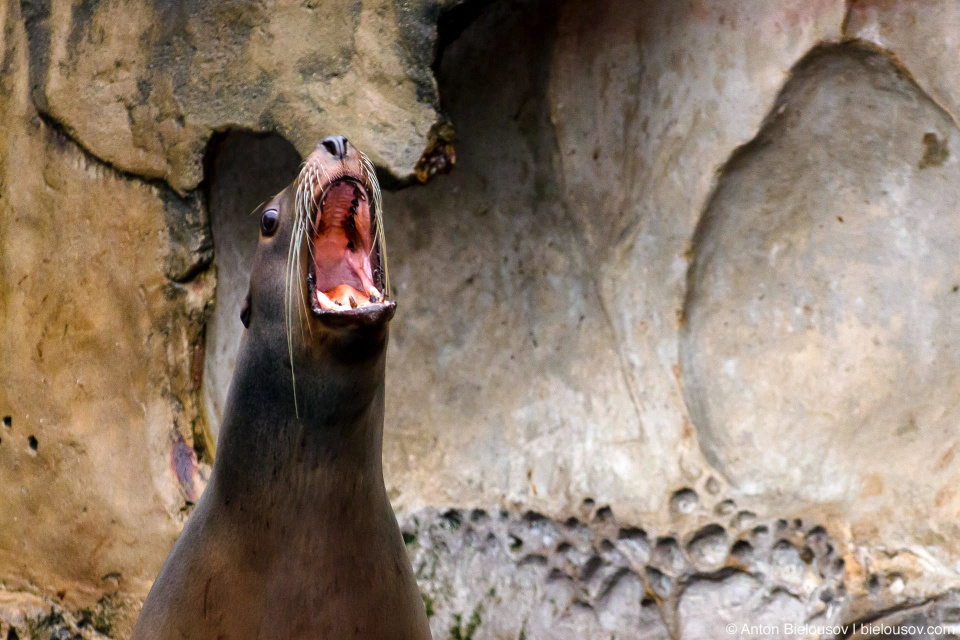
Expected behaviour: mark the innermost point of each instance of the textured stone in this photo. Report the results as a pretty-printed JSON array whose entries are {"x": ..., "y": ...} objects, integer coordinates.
[
  {"x": 648, "y": 100},
  {"x": 818, "y": 354},
  {"x": 146, "y": 97},
  {"x": 24, "y": 615},
  {"x": 737, "y": 606},
  {"x": 97, "y": 395},
  {"x": 498, "y": 317},
  {"x": 921, "y": 34},
  {"x": 938, "y": 619},
  {"x": 502, "y": 574},
  {"x": 534, "y": 345},
  {"x": 524, "y": 575}
]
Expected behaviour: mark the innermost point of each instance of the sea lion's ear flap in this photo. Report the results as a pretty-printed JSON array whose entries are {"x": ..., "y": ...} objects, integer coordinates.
[{"x": 245, "y": 312}]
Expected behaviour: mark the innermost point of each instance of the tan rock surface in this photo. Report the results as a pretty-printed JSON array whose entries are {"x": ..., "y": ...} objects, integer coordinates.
[
  {"x": 921, "y": 35},
  {"x": 143, "y": 85},
  {"x": 819, "y": 356},
  {"x": 97, "y": 342},
  {"x": 648, "y": 100}
]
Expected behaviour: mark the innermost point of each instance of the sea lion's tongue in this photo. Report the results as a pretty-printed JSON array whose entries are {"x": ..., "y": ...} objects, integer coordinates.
[{"x": 342, "y": 246}]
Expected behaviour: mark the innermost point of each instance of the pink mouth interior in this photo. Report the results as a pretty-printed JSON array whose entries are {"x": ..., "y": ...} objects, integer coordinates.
[{"x": 343, "y": 254}]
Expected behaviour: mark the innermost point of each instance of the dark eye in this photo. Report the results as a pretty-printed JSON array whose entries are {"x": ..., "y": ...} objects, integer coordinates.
[{"x": 269, "y": 222}]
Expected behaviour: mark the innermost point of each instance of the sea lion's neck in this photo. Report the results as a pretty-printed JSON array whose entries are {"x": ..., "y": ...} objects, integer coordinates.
[{"x": 306, "y": 447}]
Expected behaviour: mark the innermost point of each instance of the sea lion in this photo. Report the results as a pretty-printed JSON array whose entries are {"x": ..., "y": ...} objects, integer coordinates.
[{"x": 294, "y": 536}]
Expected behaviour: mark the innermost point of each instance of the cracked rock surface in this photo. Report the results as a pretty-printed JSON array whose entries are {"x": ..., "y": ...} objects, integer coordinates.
[
  {"x": 675, "y": 346},
  {"x": 146, "y": 97}
]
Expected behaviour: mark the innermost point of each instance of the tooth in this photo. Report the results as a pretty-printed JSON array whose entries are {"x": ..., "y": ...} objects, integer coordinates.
[
  {"x": 374, "y": 298},
  {"x": 353, "y": 303},
  {"x": 325, "y": 302},
  {"x": 368, "y": 287}
]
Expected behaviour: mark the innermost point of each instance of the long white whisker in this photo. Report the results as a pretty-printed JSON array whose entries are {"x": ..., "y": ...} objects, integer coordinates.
[
  {"x": 379, "y": 235},
  {"x": 293, "y": 280}
]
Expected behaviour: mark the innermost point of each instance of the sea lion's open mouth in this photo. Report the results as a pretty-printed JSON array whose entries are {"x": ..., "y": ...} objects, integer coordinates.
[
  {"x": 345, "y": 260},
  {"x": 338, "y": 202}
]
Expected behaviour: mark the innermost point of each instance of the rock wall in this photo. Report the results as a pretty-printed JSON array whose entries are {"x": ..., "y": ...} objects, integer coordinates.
[{"x": 674, "y": 348}]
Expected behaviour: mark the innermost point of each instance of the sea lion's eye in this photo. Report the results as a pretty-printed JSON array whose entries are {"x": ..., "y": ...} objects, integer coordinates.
[{"x": 269, "y": 222}]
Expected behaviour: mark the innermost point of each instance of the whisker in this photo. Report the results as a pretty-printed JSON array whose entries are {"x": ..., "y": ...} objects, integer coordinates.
[
  {"x": 257, "y": 207},
  {"x": 293, "y": 285},
  {"x": 379, "y": 239}
]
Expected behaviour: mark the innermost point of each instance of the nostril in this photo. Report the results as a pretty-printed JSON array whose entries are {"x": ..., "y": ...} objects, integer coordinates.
[{"x": 335, "y": 146}]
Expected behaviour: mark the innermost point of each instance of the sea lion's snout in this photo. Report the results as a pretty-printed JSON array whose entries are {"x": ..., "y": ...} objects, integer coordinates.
[
  {"x": 335, "y": 146},
  {"x": 339, "y": 213}
]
